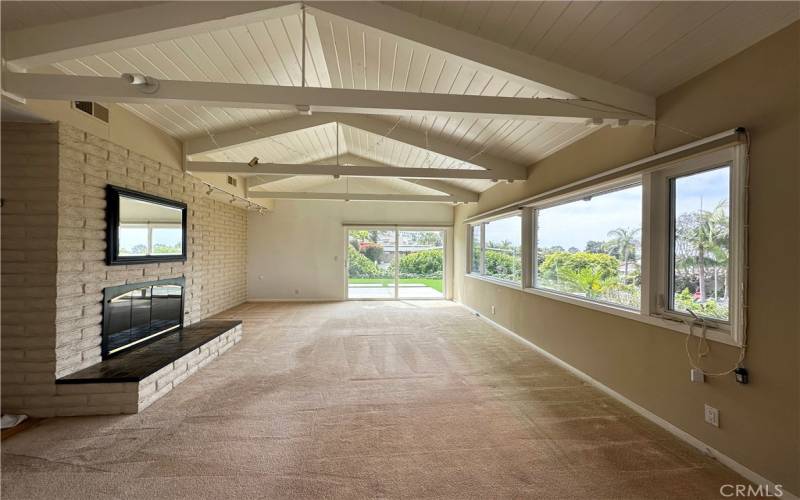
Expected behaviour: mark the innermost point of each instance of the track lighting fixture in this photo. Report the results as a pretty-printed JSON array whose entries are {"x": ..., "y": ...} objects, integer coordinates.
[
  {"x": 210, "y": 190},
  {"x": 252, "y": 163}
]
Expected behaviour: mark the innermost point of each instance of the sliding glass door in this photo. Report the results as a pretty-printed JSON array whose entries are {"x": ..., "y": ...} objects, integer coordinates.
[{"x": 395, "y": 263}]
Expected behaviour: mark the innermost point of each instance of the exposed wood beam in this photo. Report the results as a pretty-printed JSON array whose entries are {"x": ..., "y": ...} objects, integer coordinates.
[
  {"x": 40, "y": 46},
  {"x": 445, "y": 187},
  {"x": 352, "y": 196},
  {"x": 262, "y": 180},
  {"x": 235, "y": 168},
  {"x": 442, "y": 186},
  {"x": 251, "y": 96},
  {"x": 249, "y": 134},
  {"x": 470, "y": 49},
  {"x": 438, "y": 185}
]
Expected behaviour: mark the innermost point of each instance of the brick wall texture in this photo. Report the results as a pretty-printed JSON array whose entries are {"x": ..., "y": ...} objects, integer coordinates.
[{"x": 53, "y": 253}]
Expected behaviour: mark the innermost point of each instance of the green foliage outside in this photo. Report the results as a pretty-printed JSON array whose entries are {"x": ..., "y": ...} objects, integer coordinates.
[
  {"x": 359, "y": 266},
  {"x": 592, "y": 275},
  {"x": 425, "y": 263},
  {"x": 502, "y": 265},
  {"x": 710, "y": 308}
]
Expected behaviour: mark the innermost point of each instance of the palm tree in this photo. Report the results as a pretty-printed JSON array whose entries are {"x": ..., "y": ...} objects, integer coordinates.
[
  {"x": 624, "y": 243},
  {"x": 709, "y": 237}
]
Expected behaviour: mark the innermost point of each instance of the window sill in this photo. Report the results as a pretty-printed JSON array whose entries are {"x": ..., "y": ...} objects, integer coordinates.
[
  {"x": 712, "y": 334},
  {"x": 496, "y": 281}
]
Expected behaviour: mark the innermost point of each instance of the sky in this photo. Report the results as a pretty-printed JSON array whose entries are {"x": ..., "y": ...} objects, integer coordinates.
[
  {"x": 702, "y": 190},
  {"x": 573, "y": 224}
]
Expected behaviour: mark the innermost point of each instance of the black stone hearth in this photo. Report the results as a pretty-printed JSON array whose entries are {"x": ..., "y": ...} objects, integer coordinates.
[{"x": 134, "y": 365}]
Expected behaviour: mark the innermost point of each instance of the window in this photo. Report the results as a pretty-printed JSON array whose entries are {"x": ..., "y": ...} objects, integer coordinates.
[
  {"x": 698, "y": 240},
  {"x": 497, "y": 249},
  {"x": 591, "y": 247},
  {"x": 662, "y": 246},
  {"x": 700, "y": 243}
]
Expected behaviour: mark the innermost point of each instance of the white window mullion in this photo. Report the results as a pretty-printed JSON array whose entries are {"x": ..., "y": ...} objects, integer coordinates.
[
  {"x": 528, "y": 246},
  {"x": 646, "y": 277},
  {"x": 483, "y": 249}
]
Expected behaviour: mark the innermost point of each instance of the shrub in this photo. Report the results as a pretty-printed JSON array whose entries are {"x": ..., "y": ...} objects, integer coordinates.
[
  {"x": 373, "y": 251},
  {"x": 502, "y": 265},
  {"x": 425, "y": 263},
  {"x": 560, "y": 265},
  {"x": 710, "y": 308},
  {"x": 359, "y": 266}
]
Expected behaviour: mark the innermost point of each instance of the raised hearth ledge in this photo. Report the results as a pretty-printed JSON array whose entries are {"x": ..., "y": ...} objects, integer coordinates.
[{"x": 111, "y": 387}]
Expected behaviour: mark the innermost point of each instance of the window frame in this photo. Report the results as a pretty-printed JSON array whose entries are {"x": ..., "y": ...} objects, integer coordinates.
[
  {"x": 662, "y": 239},
  {"x": 656, "y": 243},
  {"x": 482, "y": 274}
]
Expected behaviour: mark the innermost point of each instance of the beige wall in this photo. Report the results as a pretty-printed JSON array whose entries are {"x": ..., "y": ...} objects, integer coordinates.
[
  {"x": 125, "y": 129},
  {"x": 53, "y": 247},
  {"x": 757, "y": 89},
  {"x": 300, "y": 245}
]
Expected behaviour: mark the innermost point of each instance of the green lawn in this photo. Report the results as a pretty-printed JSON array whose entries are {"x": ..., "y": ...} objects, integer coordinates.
[{"x": 436, "y": 284}]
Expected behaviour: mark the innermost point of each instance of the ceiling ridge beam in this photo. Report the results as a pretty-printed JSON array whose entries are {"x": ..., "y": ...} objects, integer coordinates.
[
  {"x": 253, "y": 133},
  {"x": 350, "y": 101},
  {"x": 353, "y": 196},
  {"x": 28, "y": 48},
  {"x": 241, "y": 168},
  {"x": 435, "y": 184},
  {"x": 472, "y": 50}
]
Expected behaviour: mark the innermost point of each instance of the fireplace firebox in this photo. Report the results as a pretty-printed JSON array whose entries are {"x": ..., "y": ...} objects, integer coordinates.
[{"x": 136, "y": 314}]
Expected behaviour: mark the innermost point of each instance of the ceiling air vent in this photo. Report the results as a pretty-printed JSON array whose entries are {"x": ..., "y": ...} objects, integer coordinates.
[
  {"x": 232, "y": 181},
  {"x": 92, "y": 108}
]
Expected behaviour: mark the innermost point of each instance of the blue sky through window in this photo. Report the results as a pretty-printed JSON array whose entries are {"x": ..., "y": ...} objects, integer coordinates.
[{"x": 575, "y": 223}]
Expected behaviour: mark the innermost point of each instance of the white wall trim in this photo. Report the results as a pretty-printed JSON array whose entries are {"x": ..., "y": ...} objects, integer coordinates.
[{"x": 664, "y": 424}]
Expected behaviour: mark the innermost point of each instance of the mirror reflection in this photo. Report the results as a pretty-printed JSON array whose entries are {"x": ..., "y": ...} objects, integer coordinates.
[{"x": 147, "y": 228}]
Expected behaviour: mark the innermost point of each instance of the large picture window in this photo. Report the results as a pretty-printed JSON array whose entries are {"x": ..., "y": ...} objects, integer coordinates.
[
  {"x": 497, "y": 249},
  {"x": 664, "y": 245},
  {"x": 591, "y": 247}
]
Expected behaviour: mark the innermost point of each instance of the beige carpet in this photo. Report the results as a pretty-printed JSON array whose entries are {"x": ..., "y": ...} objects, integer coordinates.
[{"x": 364, "y": 399}]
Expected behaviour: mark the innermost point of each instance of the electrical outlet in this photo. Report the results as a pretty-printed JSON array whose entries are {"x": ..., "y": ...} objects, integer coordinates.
[
  {"x": 297, "y": 292},
  {"x": 712, "y": 415},
  {"x": 492, "y": 310}
]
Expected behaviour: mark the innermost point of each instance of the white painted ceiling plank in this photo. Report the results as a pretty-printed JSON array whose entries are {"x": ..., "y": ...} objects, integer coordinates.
[{"x": 120, "y": 30}]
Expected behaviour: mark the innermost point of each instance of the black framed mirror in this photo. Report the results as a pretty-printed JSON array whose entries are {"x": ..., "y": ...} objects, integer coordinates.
[{"x": 142, "y": 228}]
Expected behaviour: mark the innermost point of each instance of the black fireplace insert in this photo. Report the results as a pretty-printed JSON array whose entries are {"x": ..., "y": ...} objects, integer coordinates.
[{"x": 139, "y": 313}]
